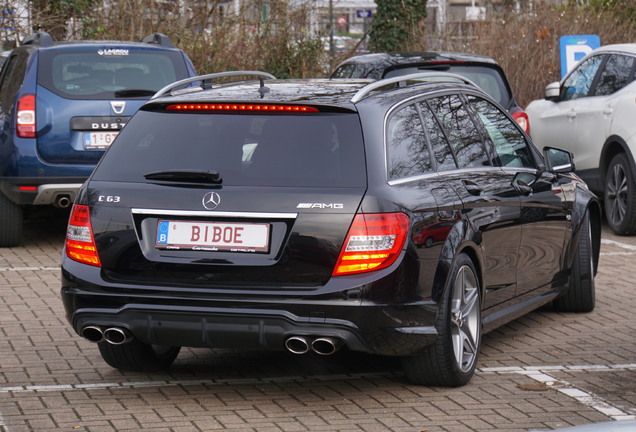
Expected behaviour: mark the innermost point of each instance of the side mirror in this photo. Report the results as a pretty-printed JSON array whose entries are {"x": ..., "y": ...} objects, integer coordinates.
[
  {"x": 558, "y": 160},
  {"x": 553, "y": 91}
]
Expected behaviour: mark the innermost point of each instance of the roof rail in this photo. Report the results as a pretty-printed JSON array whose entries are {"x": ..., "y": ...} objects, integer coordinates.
[
  {"x": 260, "y": 75},
  {"x": 159, "y": 39},
  {"x": 401, "y": 81},
  {"x": 41, "y": 38}
]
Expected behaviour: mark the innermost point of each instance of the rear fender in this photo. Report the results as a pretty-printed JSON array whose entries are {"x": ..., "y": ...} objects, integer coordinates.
[
  {"x": 586, "y": 202},
  {"x": 461, "y": 239}
]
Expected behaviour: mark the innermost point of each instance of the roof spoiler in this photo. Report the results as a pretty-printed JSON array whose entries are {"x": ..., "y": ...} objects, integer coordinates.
[
  {"x": 158, "y": 39},
  {"x": 41, "y": 38}
]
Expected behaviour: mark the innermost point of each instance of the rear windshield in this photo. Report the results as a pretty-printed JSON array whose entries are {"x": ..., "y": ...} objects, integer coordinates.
[
  {"x": 488, "y": 79},
  {"x": 99, "y": 73},
  {"x": 315, "y": 150}
]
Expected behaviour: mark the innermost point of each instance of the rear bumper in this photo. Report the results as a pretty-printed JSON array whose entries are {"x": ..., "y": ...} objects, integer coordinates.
[
  {"x": 251, "y": 322},
  {"x": 253, "y": 329},
  {"x": 41, "y": 191}
]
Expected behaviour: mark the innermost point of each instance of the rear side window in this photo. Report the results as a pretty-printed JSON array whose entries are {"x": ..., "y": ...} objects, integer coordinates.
[
  {"x": 462, "y": 133},
  {"x": 616, "y": 74},
  {"x": 99, "y": 73},
  {"x": 12, "y": 77},
  {"x": 444, "y": 159},
  {"x": 407, "y": 150},
  {"x": 313, "y": 150}
]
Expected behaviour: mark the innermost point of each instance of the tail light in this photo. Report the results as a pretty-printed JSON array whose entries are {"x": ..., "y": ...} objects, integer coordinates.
[
  {"x": 25, "y": 119},
  {"x": 373, "y": 242},
  {"x": 80, "y": 244},
  {"x": 522, "y": 119}
]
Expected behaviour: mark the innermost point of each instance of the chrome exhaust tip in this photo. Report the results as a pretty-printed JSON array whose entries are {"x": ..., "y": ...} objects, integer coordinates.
[
  {"x": 326, "y": 345},
  {"x": 92, "y": 334},
  {"x": 297, "y": 345},
  {"x": 117, "y": 336},
  {"x": 62, "y": 201}
]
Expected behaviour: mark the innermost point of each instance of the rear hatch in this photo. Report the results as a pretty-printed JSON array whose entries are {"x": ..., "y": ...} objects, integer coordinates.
[
  {"x": 228, "y": 199},
  {"x": 87, "y": 93}
]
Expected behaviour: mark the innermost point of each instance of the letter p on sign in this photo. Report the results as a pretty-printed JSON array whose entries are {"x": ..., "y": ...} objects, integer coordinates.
[{"x": 574, "y": 48}]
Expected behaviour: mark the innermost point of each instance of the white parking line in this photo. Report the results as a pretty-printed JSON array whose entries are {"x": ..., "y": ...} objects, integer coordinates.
[
  {"x": 585, "y": 398},
  {"x": 540, "y": 374},
  {"x": 619, "y": 244},
  {"x": 3, "y": 269}
]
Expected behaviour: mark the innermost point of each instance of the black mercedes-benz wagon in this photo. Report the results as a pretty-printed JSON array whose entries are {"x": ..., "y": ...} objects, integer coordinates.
[{"x": 401, "y": 217}]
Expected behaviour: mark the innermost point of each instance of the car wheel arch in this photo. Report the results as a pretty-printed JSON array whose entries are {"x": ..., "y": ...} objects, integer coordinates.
[
  {"x": 613, "y": 146},
  {"x": 449, "y": 253},
  {"x": 596, "y": 220}
]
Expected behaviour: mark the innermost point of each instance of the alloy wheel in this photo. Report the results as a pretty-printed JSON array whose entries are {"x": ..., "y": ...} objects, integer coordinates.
[
  {"x": 465, "y": 318},
  {"x": 617, "y": 194}
]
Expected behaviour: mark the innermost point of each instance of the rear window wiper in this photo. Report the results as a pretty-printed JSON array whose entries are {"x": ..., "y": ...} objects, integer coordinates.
[
  {"x": 134, "y": 92},
  {"x": 191, "y": 176}
]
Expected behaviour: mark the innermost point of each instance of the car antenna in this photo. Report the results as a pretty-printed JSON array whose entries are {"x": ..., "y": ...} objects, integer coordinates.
[{"x": 262, "y": 90}]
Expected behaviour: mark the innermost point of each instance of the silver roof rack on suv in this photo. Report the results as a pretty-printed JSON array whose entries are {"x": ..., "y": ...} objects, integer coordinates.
[
  {"x": 402, "y": 81},
  {"x": 260, "y": 75}
]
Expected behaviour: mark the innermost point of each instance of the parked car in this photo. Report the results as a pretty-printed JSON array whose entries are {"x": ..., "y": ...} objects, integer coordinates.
[
  {"x": 591, "y": 113},
  {"x": 483, "y": 71},
  {"x": 283, "y": 214},
  {"x": 61, "y": 106}
]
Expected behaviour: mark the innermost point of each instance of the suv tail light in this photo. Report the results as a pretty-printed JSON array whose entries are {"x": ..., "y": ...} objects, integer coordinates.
[
  {"x": 374, "y": 242},
  {"x": 25, "y": 119},
  {"x": 80, "y": 244},
  {"x": 522, "y": 119}
]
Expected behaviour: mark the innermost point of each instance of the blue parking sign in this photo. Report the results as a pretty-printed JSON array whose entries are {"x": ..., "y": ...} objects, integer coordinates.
[{"x": 574, "y": 48}]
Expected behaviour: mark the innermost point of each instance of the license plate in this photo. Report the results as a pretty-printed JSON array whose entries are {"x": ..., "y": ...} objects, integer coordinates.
[
  {"x": 99, "y": 140},
  {"x": 213, "y": 236}
]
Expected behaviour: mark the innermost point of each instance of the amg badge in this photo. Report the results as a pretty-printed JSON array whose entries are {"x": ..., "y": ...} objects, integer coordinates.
[{"x": 320, "y": 205}]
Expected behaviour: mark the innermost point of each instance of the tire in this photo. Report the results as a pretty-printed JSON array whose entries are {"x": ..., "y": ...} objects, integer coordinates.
[
  {"x": 138, "y": 356},
  {"x": 451, "y": 360},
  {"x": 620, "y": 196},
  {"x": 12, "y": 221},
  {"x": 580, "y": 295}
]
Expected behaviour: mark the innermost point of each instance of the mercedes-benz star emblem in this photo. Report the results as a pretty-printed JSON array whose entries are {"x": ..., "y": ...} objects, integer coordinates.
[{"x": 211, "y": 200}]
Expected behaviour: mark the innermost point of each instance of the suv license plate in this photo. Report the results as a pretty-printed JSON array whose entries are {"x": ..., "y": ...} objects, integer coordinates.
[
  {"x": 99, "y": 140},
  {"x": 213, "y": 236}
]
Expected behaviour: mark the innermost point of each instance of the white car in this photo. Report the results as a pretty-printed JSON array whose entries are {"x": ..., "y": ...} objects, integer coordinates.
[{"x": 592, "y": 113}]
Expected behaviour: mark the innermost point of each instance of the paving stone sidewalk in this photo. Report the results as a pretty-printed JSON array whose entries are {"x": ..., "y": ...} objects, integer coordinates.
[{"x": 543, "y": 371}]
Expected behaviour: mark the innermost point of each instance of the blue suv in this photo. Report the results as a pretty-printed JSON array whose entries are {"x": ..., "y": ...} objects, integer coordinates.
[{"x": 61, "y": 106}]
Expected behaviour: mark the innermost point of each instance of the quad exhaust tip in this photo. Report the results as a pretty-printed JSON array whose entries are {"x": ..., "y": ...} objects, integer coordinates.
[
  {"x": 326, "y": 345},
  {"x": 93, "y": 334},
  {"x": 297, "y": 345},
  {"x": 320, "y": 345},
  {"x": 112, "y": 335}
]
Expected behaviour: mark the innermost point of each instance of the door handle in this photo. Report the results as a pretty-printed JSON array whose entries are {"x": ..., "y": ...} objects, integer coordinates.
[
  {"x": 571, "y": 114},
  {"x": 472, "y": 188},
  {"x": 608, "y": 111}
]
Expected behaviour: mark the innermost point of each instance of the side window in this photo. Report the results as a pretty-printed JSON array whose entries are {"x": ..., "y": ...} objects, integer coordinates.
[
  {"x": 344, "y": 71},
  {"x": 12, "y": 77},
  {"x": 616, "y": 74},
  {"x": 407, "y": 151},
  {"x": 578, "y": 84},
  {"x": 442, "y": 152},
  {"x": 510, "y": 144},
  {"x": 462, "y": 133}
]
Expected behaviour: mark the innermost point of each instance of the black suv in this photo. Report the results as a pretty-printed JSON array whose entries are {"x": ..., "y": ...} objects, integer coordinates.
[
  {"x": 61, "y": 105},
  {"x": 481, "y": 70},
  {"x": 292, "y": 214}
]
